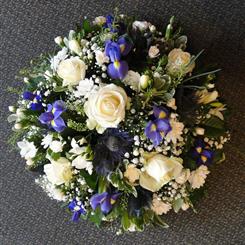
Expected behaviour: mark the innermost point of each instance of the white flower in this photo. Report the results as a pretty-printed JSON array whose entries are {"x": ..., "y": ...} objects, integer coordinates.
[
  {"x": 81, "y": 163},
  {"x": 74, "y": 46},
  {"x": 218, "y": 112},
  {"x": 106, "y": 107},
  {"x": 133, "y": 80},
  {"x": 141, "y": 25},
  {"x": 176, "y": 131},
  {"x": 153, "y": 52},
  {"x": 172, "y": 104},
  {"x": 58, "y": 40},
  {"x": 59, "y": 172},
  {"x": 99, "y": 20},
  {"x": 159, "y": 170},
  {"x": 56, "y": 146},
  {"x": 84, "y": 88},
  {"x": 101, "y": 58},
  {"x": 28, "y": 149},
  {"x": 72, "y": 71},
  {"x": 183, "y": 177},
  {"x": 158, "y": 206},
  {"x": 76, "y": 149},
  {"x": 144, "y": 81},
  {"x": 185, "y": 206},
  {"x": 198, "y": 176},
  {"x": 178, "y": 62},
  {"x": 46, "y": 141},
  {"x": 132, "y": 173},
  {"x": 205, "y": 97},
  {"x": 55, "y": 61}
]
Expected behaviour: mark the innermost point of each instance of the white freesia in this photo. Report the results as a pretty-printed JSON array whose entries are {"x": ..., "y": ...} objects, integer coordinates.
[
  {"x": 80, "y": 162},
  {"x": 183, "y": 177},
  {"x": 59, "y": 172},
  {"x": 141, "y": 25},
  {"x": 101, "y": 58},
  {"x": 84, "y": 88},
  {"x": 132, "y": 79},
  {"x": 105, "y": 108},
  {"x": 76, "y": 149},
  {"x": 46, "y": 141},
  {"x": 159, "y": 170},
  {"x": 198, "y": 176},
  {"x": 55, "y": 61},
  {"x": 74, "y": 46},
  {"x": 58, "y": 40},
  {"x": 72, "y": 71},
  {"x": 153, "y": 52},
  {"x": 205, "y": 97},
  {"x": 27, "y": 149},
  {"x": 56, "y": 146}
]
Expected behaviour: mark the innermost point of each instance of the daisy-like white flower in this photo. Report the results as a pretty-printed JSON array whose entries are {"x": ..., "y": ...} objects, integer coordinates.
[
  {"x": 46, "y": 141},
  {"x": 76, "y": 149},
  {"x": 56, "y": 146},
  {"x": 198, "y": 176},
  {"x": 80, "y": 162}
]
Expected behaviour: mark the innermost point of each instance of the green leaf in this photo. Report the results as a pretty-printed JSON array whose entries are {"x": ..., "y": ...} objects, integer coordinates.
[
  {"x": 219, "y": 156},
  {"x": 158, "y": 221},
  {"x": 96, "y": 217},
  {"x": 125, "y": 221},
  {"x": 59, "y": 89},
  {"x": 148, "y": 216},
  {"x": 86, "y": 26},
  {"x": 91, "y": 180},
  {"x": 102, "y": 186},
  {"x": 177, "y": 204},
  {"x": 197, "y": 194},
  {"x": 214, "y": 122}
]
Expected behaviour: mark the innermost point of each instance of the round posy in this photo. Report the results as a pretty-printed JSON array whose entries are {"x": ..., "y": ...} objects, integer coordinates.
[{"x": 120, "y": 122}]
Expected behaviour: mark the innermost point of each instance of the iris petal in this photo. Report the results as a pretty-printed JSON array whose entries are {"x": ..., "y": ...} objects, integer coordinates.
[
  {"x": 160, "y": 112},
  {"x": 58, "y": 124},
  {"x": 58, "y": 108},
  {"x": 97, "y": 199},
  {"x": 163, "y": 125},
  {"x": 118, "y": 69},
  {"x": 46, "y": 117},
  {"x": 112, "y": 49},
  {"x": 125, "y": 45},
  {"x": 28, "y": 95},
  {"x": 106, "y": 205}
]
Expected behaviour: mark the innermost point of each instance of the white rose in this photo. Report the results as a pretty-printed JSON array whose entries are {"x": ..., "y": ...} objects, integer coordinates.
[
  {"x": 198, "y": 176},
  {"x": 56, "y": 146},
  {"x": 59, "y": 172},
  {"x": 159, "y": 170},
  {"x": 101, "y": 58},
  {"x": 74, "y": 46},
  {"x": 133, "y": 80},
  {"x": 106, "y": 107},
  {"x": 153, "y": 52},
  {"x": 72, "y": 71},
  {"x": 99, "y": 20},
  {"x": 178, "y": 61}
]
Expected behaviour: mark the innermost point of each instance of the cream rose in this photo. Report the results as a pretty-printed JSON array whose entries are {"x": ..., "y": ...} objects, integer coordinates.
[
  {"x": 106, "y": 107},
  {"x": 159, "y": 170},
  {"x": 178, "y": 61},
  {"x": 59, "y": 172},
  {"x": 71, "y": 71}
]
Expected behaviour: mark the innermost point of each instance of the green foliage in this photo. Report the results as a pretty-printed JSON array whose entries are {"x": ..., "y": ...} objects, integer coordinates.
[
  {"x": 214, "y": 127},
  {"x": 80, "y": 127},
  {"x": 91, "y": 180},
  {"x": 197, "y": 194},
  {"x": 177, "y": 204},
  {"x": 96, "y": 217}
]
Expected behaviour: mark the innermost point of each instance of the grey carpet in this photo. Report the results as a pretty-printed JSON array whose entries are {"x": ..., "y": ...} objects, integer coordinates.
[{"x": 28, "y": 216}]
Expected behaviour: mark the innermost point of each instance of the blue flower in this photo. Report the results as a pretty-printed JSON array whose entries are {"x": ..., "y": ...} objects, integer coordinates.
[
  {"x": 118, "y": 68},
  {"x": 109, "y": 23},
  {"x": 104, "y": 200},
  {"x": 36, "y": 100},
  {"x": 110, "y": 149},
  {"x": 202, "y": 153},
  {"x": 77, "y": 208},
  {"x": 155, "y": 130},
  {"x": 52, "y": 117}
]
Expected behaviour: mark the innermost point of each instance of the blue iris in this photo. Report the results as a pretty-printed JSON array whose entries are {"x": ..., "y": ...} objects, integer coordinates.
[
  {"x": 77, "y": 208},
  {"x": 105, "y": 200},
  {"x": 36, "y": 100},
  {"x": 118, "y": 68},
  {"x": 52, "y": 117},
  {"x": 109, "y": 23},
  {"x": 202, "y": 153},
  {"x": 159, "y": 127}
]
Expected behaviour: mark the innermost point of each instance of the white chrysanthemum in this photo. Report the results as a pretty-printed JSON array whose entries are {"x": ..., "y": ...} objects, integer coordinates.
[
  {"x": 56, "y": 146},
  {"x": 158, "y": 206},
  {"x": 183, "y": 177},
  {"x": 46, "y": 141},
  {"x": 28, "y": 149},
  {"x": 132, "y": 173},
  {"x": 84, "y": 88},
  {"x": 61, "y": 55},
  {"x": 198, "y": 176},
  {"x": 176, "y": 132}
]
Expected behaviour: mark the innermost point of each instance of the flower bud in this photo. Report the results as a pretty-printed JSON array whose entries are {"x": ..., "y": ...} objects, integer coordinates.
[
  {"x": 152, "y": 28},
  {"x": 11, "y": 108},
  {"x": 144, "y": 81},
  {"x": 74, "y": 46},
  {"x": 200, "y": 131},
  {"x": 58, "y": 40},
  {"x": 17, "y": 126}
]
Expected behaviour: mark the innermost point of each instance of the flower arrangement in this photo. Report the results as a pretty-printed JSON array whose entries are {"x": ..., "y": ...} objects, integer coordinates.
[{"x": 121, "y": 122}]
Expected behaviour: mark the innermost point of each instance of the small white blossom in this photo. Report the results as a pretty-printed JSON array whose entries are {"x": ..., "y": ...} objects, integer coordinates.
[
  {"x": 46, "y": 141},
  {"x": 28, "y": 149},
  {"x": 81, "y": 163},
  {"x": 198, "y": 176},
  {"x": 76, "y": 149},
  {"x": 56, "y": 146},
  {"x": 133, "y": 80},
  {"x": 84, "y": 88},
  {"x": 101, "y": 58},
  {"x": 61, "y": 55}
]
